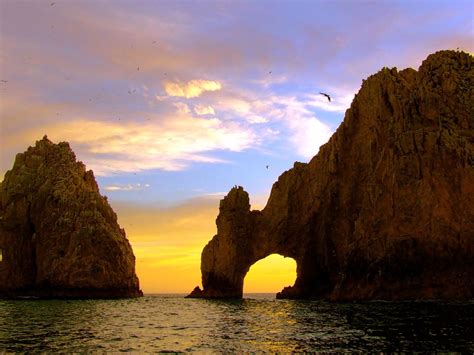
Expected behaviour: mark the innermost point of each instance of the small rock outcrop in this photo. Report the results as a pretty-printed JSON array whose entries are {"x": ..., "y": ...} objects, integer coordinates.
[
  {"x": 58, "y": 236},
  {"x": 385, "y": 210}
]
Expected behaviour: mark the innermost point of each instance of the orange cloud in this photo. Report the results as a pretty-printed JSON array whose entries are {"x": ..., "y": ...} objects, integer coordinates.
[{"x": 193, "y": 88}]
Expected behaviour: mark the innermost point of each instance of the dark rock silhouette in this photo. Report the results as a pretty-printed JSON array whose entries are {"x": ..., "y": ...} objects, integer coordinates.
[
  {"x": 385, "y": 210},
  {"x": 59, "y": 237}
]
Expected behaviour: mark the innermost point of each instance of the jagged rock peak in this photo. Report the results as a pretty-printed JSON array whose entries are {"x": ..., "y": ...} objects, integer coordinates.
[
  {"x": 237, "y": 198},
  {"x": 58, "y": 236}
]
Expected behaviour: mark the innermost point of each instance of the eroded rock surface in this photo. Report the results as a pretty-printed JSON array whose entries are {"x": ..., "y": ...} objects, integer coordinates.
[
  {"x": 385, "y": 210},
  {"x": 59, "y": 237}
]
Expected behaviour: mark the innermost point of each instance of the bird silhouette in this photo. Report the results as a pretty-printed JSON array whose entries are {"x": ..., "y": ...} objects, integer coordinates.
[
  {"x": 324, "y": 94},
  {"x": 268, "y": 166},
  {"x": 52, "y": 4}
]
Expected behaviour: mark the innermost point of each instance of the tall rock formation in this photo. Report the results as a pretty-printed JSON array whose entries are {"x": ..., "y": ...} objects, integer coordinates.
[
  {"x": 58, "y": 236},
  {"x": 385, "y": 210}
]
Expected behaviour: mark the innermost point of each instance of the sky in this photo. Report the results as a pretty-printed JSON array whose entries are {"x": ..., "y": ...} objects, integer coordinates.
[{"x": 171, "y": 103}]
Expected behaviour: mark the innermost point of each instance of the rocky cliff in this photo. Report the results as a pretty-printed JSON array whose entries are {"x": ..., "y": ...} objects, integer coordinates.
[
  {"x": 58, "y": 236},
  {"x": 385, "y": 210}
]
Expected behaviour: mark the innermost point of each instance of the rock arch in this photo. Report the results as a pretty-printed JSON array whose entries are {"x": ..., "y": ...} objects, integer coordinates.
[
  {"x": 383, "y": 211},
  {"x": 243, "y": 238}
]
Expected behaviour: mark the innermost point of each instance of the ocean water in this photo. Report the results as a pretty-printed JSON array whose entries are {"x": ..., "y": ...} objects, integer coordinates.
[{"x": 170, "y": 323}]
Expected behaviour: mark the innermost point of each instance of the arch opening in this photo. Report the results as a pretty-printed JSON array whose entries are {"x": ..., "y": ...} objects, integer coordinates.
[{"x": 270, "y": 275}]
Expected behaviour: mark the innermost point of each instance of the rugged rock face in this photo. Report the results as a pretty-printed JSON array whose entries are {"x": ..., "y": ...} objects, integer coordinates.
[
  {"x": 385, "y": 210},
  {"x": 59, "y": 237}
]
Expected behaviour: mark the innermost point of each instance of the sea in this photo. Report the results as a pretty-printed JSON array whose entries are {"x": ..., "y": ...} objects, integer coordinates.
[{"x": 257, "y": 323}]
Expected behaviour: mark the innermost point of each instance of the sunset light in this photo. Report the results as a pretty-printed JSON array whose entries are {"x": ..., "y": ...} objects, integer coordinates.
[{"x": 236, "y": 176}]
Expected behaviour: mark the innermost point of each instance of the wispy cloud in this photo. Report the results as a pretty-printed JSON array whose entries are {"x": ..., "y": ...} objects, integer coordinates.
[
  {"x": 172, "y": 144},
  {"x": 204, "y": 110},
  {"x": 181, "y": 107},
  {"x": 271, "y": 79},
  {"x": 306, "y": 131},
  {"x": 292, "y": 114},
  {"x": 127, "y": 187},
  {"x": 190, "y": 89}
]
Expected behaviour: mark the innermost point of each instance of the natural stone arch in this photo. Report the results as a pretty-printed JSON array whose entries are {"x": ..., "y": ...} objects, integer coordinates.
[
  {"x": 241, "y": 241},
  {"x": 272, "y": 271},
  {"x": 383, "y": 211}
]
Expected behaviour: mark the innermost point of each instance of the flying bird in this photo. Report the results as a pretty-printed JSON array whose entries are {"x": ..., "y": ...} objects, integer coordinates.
[
  {"x": 268, "y": 166},
  {"x": 52, "y": 4},
  {"x": 4, "y": 81},
  {"x": 324, "y": 94}
]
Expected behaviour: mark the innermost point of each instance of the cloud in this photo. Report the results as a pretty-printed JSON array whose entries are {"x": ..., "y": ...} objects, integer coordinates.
[
  {"x": 161, "y": 98},
  {"x": 171, "y": 144},
  {"x": 181, "y": 107},
  {"x": 128, "y": 187},
  {"x": 292, "y": 115},
  {"x": 308, "y": 134},
  {"x": 239, "y": 104},
  {"x": 270, "y": 80},
  {"x": 204, "y": 110},
  {"x": 193, "y": 88}
]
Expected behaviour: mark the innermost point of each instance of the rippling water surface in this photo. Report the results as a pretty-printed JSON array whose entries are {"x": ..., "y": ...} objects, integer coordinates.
[{"x": 258, "y": 323}]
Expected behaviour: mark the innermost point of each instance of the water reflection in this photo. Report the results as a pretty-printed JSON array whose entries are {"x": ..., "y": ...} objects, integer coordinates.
[{"x": 260, "y": 324}]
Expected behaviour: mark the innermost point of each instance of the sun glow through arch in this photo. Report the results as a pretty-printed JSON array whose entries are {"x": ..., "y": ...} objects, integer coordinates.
[{"x": 270, "y": 275}]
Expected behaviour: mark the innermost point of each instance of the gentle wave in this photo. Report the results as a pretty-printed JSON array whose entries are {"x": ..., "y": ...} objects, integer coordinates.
[{"x": 170, "y": 323}]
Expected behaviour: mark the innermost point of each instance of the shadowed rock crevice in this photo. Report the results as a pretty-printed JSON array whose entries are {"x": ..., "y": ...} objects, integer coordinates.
[
  {"x": 59, "y": 236},
  {"x": 385, "y": 210}
]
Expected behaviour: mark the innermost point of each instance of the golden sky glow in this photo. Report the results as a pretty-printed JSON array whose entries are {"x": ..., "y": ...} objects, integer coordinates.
[
  {"x": 270, "y": 274},
  {"x": 167, "y": 243}
]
